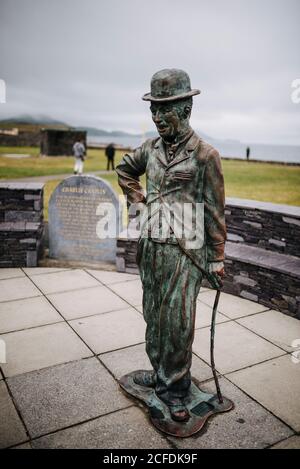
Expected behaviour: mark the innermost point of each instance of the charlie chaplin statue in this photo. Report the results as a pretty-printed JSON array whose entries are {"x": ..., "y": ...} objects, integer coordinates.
[{"x": 180, "y": 169}]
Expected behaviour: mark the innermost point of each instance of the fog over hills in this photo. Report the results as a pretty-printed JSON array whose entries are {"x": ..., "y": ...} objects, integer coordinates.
[
  {"x": 96, "y": 136},
  {"x": 43, "y": 120}
]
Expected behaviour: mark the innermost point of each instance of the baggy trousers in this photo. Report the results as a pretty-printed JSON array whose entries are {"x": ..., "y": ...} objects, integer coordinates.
[
  {"x": 78, "y": 167},
  {"x": 171, "y": 283}
]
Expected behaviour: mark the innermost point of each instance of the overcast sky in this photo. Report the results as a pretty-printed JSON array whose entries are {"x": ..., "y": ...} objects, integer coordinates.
[{"x": 88, "y": 62}]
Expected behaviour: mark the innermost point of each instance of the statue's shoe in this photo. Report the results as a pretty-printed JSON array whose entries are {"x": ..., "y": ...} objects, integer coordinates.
[
  {"x": 145, "y": 378},
  {"x": 177, "y": 409},
  {"x": 179, "y": 413}
]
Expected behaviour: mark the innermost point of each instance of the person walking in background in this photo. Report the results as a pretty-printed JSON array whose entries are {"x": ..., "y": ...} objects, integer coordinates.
[
  {"x": 79, "y": 154},
  {"x": 247, "y": 153},
  {"x": 110, "y": 155}
]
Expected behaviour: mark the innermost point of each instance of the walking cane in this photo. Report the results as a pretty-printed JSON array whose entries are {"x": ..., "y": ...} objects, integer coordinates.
[
  {"x": 212, "y": 345},
  {"x": 217, "y": 283}
]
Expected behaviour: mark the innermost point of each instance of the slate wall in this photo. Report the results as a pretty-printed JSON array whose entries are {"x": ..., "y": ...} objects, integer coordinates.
[
  {"x": 262, "y": 254},
  {"x": 27, "y": 139},
  {"x": 21, "y": 224},
  {"x": 269, "y": 226}
]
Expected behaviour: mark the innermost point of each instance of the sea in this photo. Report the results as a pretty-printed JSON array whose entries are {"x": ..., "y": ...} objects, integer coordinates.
[{"x": 258, "y": 151}]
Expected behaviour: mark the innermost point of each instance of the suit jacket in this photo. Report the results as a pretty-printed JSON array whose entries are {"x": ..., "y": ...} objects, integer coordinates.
[{"x": 193, "y": 176}]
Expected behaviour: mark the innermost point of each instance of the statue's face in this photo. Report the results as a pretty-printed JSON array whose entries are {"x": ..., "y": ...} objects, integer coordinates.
[{"x": 167, "y": 119}]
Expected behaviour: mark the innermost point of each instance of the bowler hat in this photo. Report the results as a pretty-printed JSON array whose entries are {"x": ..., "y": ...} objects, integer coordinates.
[{"x": 170, "y": 85}]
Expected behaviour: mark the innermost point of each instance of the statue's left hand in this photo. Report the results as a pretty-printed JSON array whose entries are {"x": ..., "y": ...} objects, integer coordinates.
[
  {"x": 220, "y": 272},
  {"x": 217, "y": 267},
  {"x": 217, "y": 272}
]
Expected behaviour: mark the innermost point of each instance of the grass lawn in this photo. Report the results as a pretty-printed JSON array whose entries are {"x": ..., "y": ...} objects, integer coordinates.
[
  {"x": 275, "y": 183},
  {"x": 260, "y": 181},
  {"x": 35, "y": 165}
]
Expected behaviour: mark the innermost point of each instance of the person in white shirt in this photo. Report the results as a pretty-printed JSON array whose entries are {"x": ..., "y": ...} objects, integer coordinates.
[{"x": 79, "y": 154}]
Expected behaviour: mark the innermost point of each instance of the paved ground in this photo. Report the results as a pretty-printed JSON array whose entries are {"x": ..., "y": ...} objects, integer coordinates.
[{"x": 70, "y": 334}]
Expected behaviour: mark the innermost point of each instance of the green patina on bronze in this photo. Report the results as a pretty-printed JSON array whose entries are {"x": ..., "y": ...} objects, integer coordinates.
[
  {"x": 170, "y": 85},
  {"x": 179, "y": 167}
]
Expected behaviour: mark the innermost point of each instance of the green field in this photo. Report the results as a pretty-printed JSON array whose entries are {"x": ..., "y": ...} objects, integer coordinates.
[
  {"x": 260, "y": 181},
  {"x": 35, "y": 165}
]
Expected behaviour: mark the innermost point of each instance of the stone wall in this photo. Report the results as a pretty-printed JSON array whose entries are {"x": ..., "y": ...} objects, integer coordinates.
[
  {"x": 60, "y": 142},
  {"x": 271, "y": 279},
  {"x": 262, "y": 254},
  {"x": 23, "y": 138},
  {"x": 126, "y": 256},
  {"x": 21, "y": 224},
  {"x": 269, "y": 226}
]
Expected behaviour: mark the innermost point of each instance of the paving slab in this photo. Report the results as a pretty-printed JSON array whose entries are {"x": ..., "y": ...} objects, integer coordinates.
[
  {"x": 290, "y": 443},
  {"x": 107, "y": 278},
  {"x": 276, "y": 385},
  {"x": 11, "y": 273},
  {"x": 235, "y": 347},
  {"x": 64, "y": 395},
  {"x": 24, "y": 314},
  {"x": 40, "y": 347},
  {"x": 17, "y": 288},
  {"x": 128, "y": 428},
  {"x": 31, "y": 271},
  {"x": 23, "y": 446},
  {"x": 129, "y": 291},
  {"x": 52, "y": 389},
  {"x": 64, "y": 281},
  {"x": 230, "y": 305},
  {"x": 126, "y": 360},
  {"x": 204, "y": 289},
  {"x": 12, "y": 430},
  {"x": 111, "y": 331},
  {"x": 247, "y": 426},
  {"x": 121, "y": 362},
  {"x": 204, "y": 314},
  {"x": 280, "y": 329},
  {"x": 86, "y": 302}
]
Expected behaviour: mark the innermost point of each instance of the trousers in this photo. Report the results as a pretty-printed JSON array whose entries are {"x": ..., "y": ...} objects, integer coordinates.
[
  {"x": 78, "y": 167},
  {"x": 110, "y": 162},
  {"x": 171, "y": 284}
]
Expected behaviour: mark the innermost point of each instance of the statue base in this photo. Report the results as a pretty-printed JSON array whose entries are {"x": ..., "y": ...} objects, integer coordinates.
[{"x": 201, "y": 406}]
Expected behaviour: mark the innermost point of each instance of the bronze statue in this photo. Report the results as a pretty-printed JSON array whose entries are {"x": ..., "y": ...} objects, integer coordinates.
[{"x": 180, "y": 169}]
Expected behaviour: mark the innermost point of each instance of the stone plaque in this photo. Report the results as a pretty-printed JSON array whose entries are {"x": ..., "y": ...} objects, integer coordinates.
[{"x": 84, "y": 220}]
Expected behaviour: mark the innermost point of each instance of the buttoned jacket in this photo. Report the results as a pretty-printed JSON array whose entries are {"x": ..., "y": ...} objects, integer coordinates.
[{"x": 193, "y": 176}]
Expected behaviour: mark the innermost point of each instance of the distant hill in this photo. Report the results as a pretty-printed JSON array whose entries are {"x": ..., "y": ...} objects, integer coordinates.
[
  {"x": 30, "y": 123},
  {"x": 38, "y": 120},
  {"x": 93, "y": 131}
]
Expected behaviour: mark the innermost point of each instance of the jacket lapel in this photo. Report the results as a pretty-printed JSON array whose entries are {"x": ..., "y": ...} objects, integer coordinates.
[
  {"x": 160, "y": 152},
  {"x": 182, "y": 155}
]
